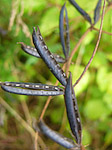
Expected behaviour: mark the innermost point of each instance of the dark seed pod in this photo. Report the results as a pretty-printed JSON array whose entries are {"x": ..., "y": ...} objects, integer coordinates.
[
  {"x": 67, "y": 34},
  {"x": 36, "y": 86},
  {"x": 32, "y": 51},
  {"x": 81, "y": 11},
  {"x": 29, "y": 49},
  {"x": 58, "y": 58},
  {"x": 58, "y": 138},
  {"x": 97, "y": 11},
  {"x": 61, "y": 28},
  {"x": 72, "y": 111},
  {"x": 31, "y": 92},
  {"x": 47, "y": 57}
]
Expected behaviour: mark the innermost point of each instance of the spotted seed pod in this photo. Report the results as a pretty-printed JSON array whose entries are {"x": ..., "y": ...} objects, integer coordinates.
[
  {"x": 36, "y": 86},
  {"x": 47, "y": 57},
  {"x": 31, "y": 92},
  {"x": 66, "y": 48},
  {"x": 81, "y": 11},
  {"x": 58, "y": 138},
  {"x": 32, "y": 51},
  {"x": 97, "y": 11},
  {"x": 72, "y": 111}
]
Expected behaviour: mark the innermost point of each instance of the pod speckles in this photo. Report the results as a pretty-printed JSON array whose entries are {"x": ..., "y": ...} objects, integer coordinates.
[
  {"x": 72, "y": 111},
  {"x": 30, "y": 92},
  {"x": 58, "y": 138},
  {"x": 36, "y": 86},
  {"x": 46, "y": 56},
  {"x": 32, "y": 51}
]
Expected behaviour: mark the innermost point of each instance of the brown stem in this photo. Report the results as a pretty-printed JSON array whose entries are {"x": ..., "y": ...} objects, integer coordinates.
[
  {"x": 102, "y": 31},
  {"x": 96, "y": 47},
  {"x": 48, "y": 101},
  {"x": 75, "y": 49}
]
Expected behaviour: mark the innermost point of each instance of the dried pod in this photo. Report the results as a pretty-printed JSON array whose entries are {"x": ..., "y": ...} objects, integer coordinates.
[
  {"x": 47, "y": 57},
  {"x": 66, "y": 48},
  {"x": 32, "y": 51},
  {"x": 31, "y": 92},
  {"x": 81, "y": 11},
  {"x": 36, "y": 86},
  {"x": 97, "y": 11},
  {"x": 72, "y": 111},
  {"x": 58, "y": 138}
]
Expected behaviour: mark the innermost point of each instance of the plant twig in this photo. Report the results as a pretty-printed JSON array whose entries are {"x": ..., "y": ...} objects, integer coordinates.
[
  {"x": 48, "y": 101},
  {"x": 96, "y": 47},
  {"x": 21, "y": 120},
  {"x": 75, "y": 49},
  {"x": 102, "y": 31}
]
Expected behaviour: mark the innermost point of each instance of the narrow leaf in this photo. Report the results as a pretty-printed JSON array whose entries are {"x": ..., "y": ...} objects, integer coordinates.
[
  {"x": 81, "y": 11},
  {"x": 30, "y": 92},
  {"x": 72, "y": 111},
  {"x": 47, "y": 57},
  {"x": 32, "y": 51},
  {"x": 97, "y": 11},
  {"x": 58, "y": 138}
]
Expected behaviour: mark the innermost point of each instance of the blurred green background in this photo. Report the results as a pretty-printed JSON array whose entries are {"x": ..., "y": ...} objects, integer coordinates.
[{"x": 94, "y": 92}]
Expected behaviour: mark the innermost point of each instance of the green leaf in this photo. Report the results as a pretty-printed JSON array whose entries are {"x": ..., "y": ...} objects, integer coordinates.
[
  {"x": 49, "y": 21},
  {"x": 86, "y": 137},
  {"x": 76, "y": 72},
  {"x": 34, "y": 5},
  {"x": 108, "y": 138},
  {"x": 94, "y": 109}
]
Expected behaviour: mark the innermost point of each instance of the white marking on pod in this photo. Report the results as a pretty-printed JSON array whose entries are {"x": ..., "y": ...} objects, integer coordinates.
[
  {"x": 40, "y": 37},
  {"x": 51, "y": 56},
  {"x": 37, "y": 86},
  {"x": 17, "y": 85},
  {"x": 26, "y": 85},
  {"x": 7, "y": 83},
  {"x": 58, "y": 65},
  {"x": 28, "y": 47},
  {"x": 56, "y": 88},
  {"x": 64, "y": 74},
  {"x": 45, "y": 47},
  {"x": 78, "y": 119},
  {"x": 57, "y": 56},
  {"x": 75, "y": 107},
  {"x": 47, "y": 87}
]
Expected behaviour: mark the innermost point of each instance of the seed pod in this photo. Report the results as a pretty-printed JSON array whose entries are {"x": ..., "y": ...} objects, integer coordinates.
[
  {"x": 32, "y": 51},
  {"x": 31, "y": 92},
  {"x": 81, "y": 11},
  {"x": 72, "y": 111},
  {"x": 97, "y": 11},
  {"x": 58, "y": 138},
  {"x": 61, "y": 28},
  {"x": 47, "y": 57},
  {"x": 36, "y": 86}
]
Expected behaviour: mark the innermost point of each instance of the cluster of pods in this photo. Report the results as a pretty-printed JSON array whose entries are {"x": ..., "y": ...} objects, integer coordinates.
[{"x": 52, "y": 61}]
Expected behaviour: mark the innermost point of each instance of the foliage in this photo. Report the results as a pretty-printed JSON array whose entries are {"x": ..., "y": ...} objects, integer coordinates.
[{"x": 94, "y": 92}]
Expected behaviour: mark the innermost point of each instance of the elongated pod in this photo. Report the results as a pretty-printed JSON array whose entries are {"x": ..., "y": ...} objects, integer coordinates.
[
  {"x": 58, "y": 138},
  {"x": 47, "y": 57},
  {"x": 97, "y": 11},
  {"x": 81, "y": 11},
  {"x": 31, "y": 92},
  {"x": 36, "y": 86},
  {"x": 72, "y": 111},
  {"x": 66, "y": 47},
  {"x": 32, "y": 51}
]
